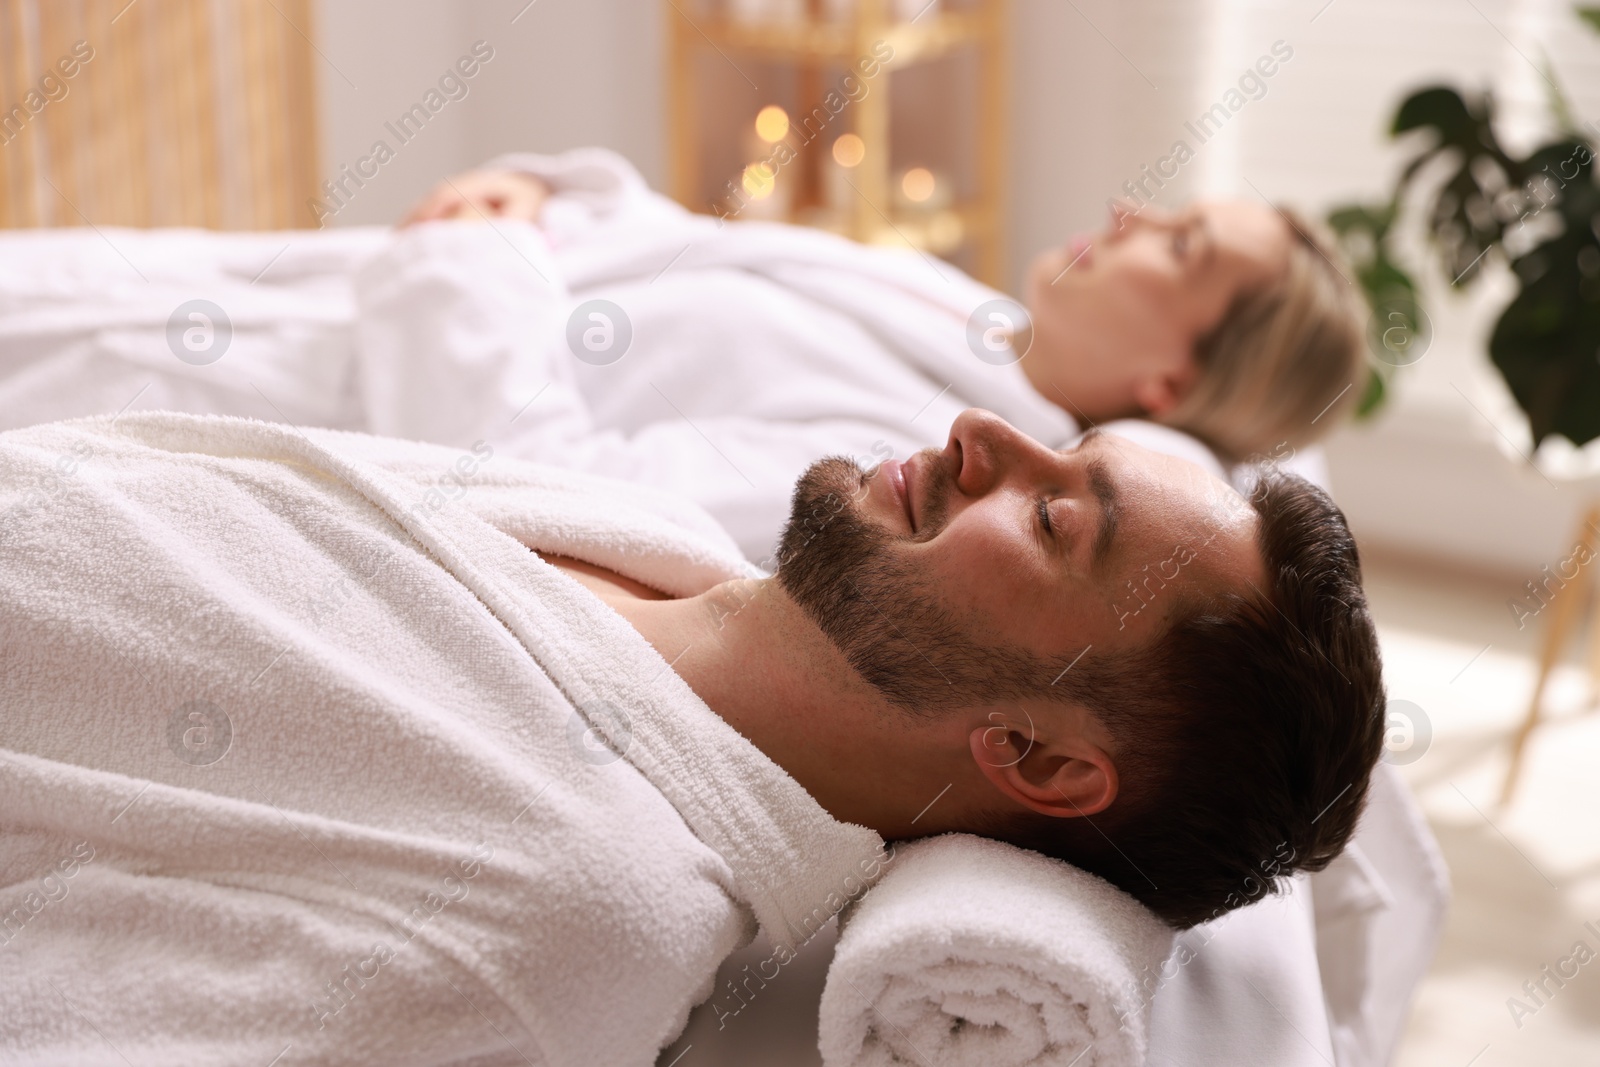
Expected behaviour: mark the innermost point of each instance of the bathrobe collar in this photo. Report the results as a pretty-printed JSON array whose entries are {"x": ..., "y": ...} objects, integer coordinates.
[{"x": 793, "y": 864}]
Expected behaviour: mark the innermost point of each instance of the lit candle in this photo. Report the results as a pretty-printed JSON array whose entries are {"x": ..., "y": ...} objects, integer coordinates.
[
  {"x": 923, "y": 191},
  {"x": 848, "y": 152},
  {"x": 758, "y": 180},
  {"x": 772, "y": 123},
  {"x": 918, "y": 184}
]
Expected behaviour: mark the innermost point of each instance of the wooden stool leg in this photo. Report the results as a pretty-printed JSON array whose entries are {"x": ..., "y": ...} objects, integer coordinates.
[
  {"x": 1564, "y": 612},
  {"x": 1594, "y": 649}
]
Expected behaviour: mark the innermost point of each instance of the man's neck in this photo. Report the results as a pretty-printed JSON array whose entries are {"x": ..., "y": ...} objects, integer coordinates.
[{"x": 766, "y": 669}]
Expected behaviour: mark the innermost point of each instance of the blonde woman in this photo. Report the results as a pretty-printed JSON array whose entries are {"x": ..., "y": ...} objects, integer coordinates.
[{"x": 1227, "y": 320}]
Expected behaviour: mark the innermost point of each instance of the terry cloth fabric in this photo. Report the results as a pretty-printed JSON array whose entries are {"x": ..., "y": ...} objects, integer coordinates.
[
  {"x": 298, "y": 756},
  {"x": 973, "y": 952}
]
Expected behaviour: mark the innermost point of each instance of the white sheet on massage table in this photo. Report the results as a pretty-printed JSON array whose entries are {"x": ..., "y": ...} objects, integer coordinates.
[{"x": 1267, "y": 947}]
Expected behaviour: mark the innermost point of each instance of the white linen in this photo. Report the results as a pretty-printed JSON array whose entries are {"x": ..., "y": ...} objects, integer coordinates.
[
  {"x": 1244, "y": 989},
  {"x": 1380, "y": 910},
  {"x": 83, "y": 323},
  {"x": 972, "y": 953},
  {"x": 408, "y": 848}
]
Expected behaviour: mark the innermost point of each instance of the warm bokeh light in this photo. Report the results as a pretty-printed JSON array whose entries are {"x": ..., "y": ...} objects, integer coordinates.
[
  {"x": 772, "y": 123},
  {"x": 758, "y": 180},
  {"x": 849, "y": 150},
  {"x": 918, "y": 184}
]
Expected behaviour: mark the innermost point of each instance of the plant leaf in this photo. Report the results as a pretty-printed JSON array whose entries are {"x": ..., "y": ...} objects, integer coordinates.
[
  {"x": 1440, "y": 107},
  {"x": 1373, "y": 395},
  {"x": 1546, "y": 341}
]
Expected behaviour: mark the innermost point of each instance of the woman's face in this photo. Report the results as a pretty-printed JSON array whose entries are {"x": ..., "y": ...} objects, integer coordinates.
[{"x": 1116, "y": 315}]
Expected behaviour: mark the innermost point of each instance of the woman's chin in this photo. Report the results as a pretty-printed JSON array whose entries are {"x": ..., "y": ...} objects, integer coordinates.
[
  {"x": 1045, "y": 266},
  {"x": 1040, "y": 369}
]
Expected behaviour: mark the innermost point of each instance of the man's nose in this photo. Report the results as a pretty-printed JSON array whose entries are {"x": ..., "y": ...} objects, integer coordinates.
[{"x": 990, "y": 450}]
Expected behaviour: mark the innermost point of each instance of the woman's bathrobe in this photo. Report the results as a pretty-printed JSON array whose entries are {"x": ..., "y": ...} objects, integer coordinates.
[
  {"x": 744, "y": 351},
  {"x": 305, "y": 754}
]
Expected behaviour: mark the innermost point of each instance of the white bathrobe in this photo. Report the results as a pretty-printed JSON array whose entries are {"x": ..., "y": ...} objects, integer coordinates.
[
  {"x": 755, "y": 348},
  {"x": 300, "y": 756}
]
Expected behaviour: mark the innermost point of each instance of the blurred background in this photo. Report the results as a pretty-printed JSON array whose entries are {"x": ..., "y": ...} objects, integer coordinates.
[{"x": 984, "y": 132}]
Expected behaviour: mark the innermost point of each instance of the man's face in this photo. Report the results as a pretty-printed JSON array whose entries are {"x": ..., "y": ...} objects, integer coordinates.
[{"x": 972, "y": 574}]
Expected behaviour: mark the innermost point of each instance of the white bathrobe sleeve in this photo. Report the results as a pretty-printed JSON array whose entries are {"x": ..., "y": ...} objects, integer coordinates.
[
  {"x": 463, "y": 336},
  {"x": 451, "y": 328}
]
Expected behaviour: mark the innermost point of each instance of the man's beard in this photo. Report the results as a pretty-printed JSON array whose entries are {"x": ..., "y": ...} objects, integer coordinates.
[{"x": 852, "y": 578}]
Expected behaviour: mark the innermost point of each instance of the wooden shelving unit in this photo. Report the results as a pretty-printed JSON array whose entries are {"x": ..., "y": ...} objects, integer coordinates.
[{"x": 815, "y": 46}]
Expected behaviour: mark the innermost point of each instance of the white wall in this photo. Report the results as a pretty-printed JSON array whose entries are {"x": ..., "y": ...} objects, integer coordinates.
[
  {"x": 577, "y": 72},
  {"x": 565, "y": 73},
  {"x": 378, "y": 58},
  {"x": 1100, "y": 88}
]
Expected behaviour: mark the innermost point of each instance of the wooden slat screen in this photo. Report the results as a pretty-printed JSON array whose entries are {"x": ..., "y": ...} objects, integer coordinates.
[{"x": 157, "y": 113}]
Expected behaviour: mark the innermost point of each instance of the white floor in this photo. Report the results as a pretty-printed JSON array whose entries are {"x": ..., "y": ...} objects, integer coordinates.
[{"x": 1526, "y": 877}]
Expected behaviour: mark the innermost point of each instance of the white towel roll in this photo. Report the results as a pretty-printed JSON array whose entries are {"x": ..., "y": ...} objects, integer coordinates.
[{"x": 970, "y": 951}]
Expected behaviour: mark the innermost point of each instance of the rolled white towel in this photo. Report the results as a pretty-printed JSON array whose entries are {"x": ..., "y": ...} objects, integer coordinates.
[{"x": 971, "y": 951}]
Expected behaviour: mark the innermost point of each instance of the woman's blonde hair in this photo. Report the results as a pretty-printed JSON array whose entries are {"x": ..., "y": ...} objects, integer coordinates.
[{"x": 1287, "y": 360}]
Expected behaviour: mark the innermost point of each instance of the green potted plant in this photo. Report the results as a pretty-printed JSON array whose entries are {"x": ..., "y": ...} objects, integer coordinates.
[{"x": 1472, "y": 197}]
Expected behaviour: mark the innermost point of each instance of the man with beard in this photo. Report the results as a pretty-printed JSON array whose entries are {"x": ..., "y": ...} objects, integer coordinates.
[
  {"x": 1105, "y": 654},
  {"x": 313, "y": 732}
]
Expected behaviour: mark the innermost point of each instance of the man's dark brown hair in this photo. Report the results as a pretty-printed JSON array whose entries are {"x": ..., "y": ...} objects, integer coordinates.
[{"x": 1244, "y": 735}]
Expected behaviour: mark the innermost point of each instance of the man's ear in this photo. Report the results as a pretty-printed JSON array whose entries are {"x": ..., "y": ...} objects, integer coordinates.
[
  {"x": 1159, "y": 391},
  {"x": 1061, "y": 777}
]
